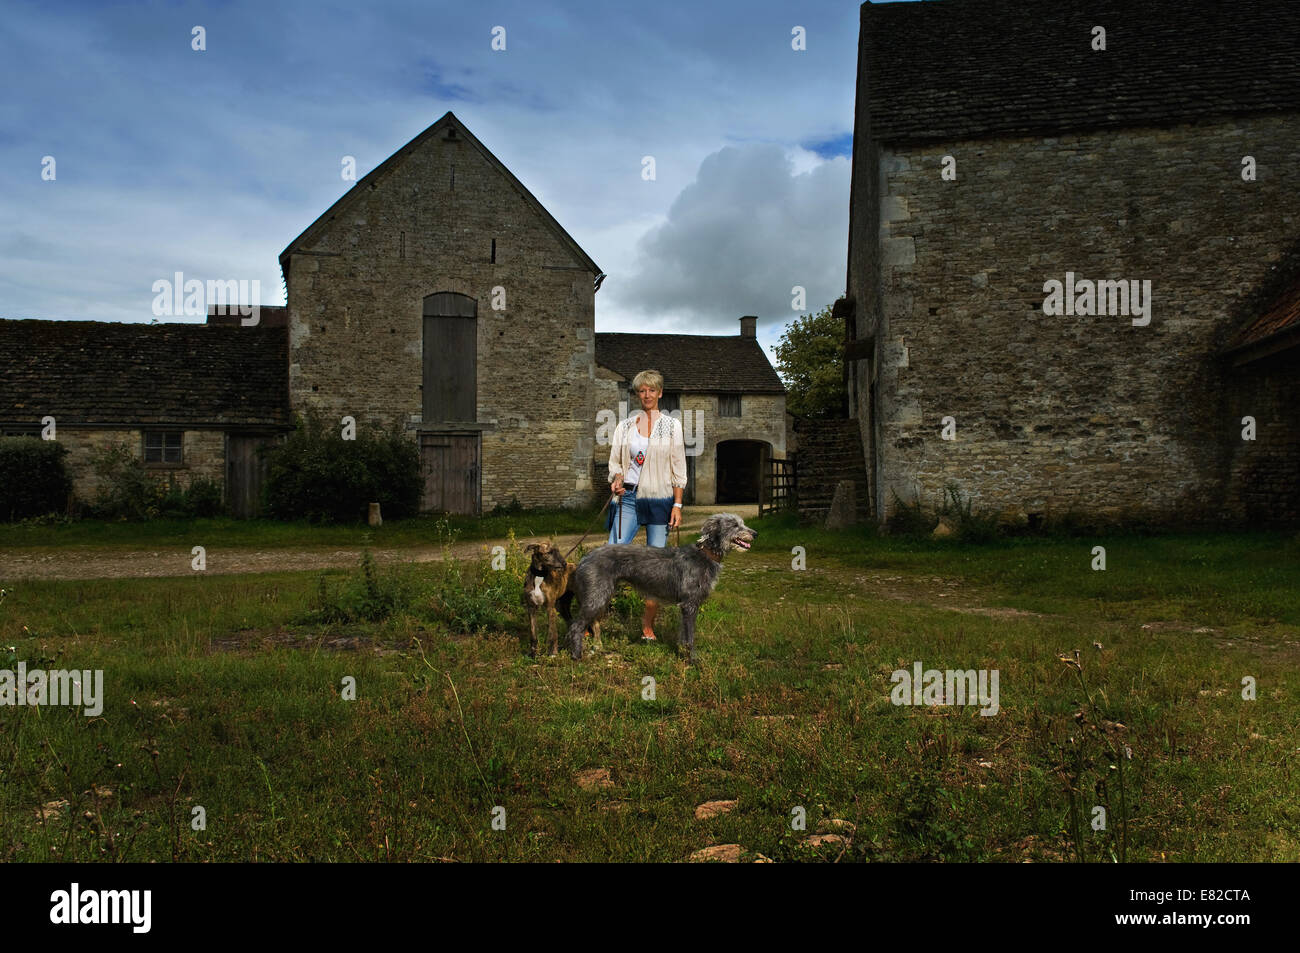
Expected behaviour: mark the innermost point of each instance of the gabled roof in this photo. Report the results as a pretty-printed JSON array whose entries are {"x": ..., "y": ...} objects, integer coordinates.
[
  {"x": 691, "y": 362},
  {"x": 394, "y": 161},
  {"x": 942, "y": 70},
  {"x": 105, "y": 372}
]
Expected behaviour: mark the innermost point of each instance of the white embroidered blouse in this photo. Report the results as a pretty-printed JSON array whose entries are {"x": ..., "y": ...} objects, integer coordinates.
[{"x": 665, "y": 461}]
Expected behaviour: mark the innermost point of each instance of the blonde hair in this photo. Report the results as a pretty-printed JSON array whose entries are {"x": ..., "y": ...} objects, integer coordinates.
[{"x": 653, "y": 379}]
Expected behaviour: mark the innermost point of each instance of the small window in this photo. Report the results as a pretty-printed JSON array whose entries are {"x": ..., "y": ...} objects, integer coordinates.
[
  {"x": 21, "y": 430},
  {"x": 728, "y": 405},
  {"x": 669, "y": 401},
  {"x": 162, "y": 446}
]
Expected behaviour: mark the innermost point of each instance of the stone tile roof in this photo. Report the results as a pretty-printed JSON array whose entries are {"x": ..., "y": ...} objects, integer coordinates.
[
  {"x": 942, "y": 70},
  {"x": 692, "y": 362},
  {"x": 105, "y": 372}
]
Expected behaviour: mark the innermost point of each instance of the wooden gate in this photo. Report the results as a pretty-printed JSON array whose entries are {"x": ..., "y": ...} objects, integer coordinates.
[
  {"x": 778, "y": 486},
  {"x": 449, "y": 463},
  {"x": 245, "y": 473}
]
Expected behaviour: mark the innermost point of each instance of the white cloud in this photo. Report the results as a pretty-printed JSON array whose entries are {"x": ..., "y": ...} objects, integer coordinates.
[{"x": 736, "y": 240}]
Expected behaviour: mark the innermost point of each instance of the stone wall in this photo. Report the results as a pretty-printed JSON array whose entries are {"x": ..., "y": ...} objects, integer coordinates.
[
  {"x": 829, "y": 451},
  {"x": 356, "y": 297},
  {"x": 1264, "y": 474},
  {"x": 1068, "y": 412},
  {"x": 203, "y": 454}
]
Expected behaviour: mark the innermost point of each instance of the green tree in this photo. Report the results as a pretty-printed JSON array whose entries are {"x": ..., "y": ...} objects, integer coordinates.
[{"x": 810, "y": 360}]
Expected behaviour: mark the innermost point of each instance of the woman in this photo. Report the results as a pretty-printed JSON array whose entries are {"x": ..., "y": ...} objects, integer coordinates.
[{"x": 647, "y": 471}]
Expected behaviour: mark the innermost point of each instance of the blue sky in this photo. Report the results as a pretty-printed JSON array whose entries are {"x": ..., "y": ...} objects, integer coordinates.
[{"x": 210, "y": 162}]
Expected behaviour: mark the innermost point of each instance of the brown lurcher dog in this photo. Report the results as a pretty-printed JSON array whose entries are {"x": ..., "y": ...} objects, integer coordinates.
[{"x": 547, "y": 580}]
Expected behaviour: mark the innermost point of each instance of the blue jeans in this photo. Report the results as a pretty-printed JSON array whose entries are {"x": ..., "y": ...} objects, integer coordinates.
[{"x": 654, "y": 535}]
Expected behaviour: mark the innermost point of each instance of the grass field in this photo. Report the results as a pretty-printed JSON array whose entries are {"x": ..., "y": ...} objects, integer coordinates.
[{"x": 229, "y": 693}]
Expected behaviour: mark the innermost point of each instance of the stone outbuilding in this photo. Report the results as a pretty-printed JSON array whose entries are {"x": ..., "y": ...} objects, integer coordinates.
[
  {"x": 190, "y": 400},
  {"x": 1064, "y": 215},
  {"x": 730, "y": 401}
]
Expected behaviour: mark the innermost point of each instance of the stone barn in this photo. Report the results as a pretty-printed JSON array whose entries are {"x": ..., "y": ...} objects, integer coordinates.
[
  {"x": 730, "y": 400},
  {"x": 1072, "y": 257},
  {"x": 438, "y": 292}
]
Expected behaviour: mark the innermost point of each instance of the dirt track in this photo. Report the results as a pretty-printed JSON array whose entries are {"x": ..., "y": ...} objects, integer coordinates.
[{"x": 158, "y": 562}]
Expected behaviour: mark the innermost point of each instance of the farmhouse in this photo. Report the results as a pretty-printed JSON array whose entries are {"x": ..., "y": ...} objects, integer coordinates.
[
  {"x": 1005, "y": 148},
  {"x": 437, "y": 294}
]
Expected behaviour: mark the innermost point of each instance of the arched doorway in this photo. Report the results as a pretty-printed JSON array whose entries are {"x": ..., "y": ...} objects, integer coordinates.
[{"x": 740, "y": 466}]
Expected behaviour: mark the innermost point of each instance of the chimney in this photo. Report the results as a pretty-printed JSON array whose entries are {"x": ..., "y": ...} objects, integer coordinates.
[{"x": 749, "y": 326}]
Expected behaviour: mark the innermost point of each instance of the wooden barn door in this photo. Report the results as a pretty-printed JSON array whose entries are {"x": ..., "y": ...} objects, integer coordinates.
[
  {"x": 450, "y": 359},
  {"x": 451, "y": 472},
  {"x": 450, "y": 458},
  {"x": 245, "y": 474}
]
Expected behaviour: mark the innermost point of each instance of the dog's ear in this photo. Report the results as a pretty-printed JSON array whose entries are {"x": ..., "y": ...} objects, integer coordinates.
[
  {"x": 530, "y": 547},
  {"x": 710, "y": 528}
]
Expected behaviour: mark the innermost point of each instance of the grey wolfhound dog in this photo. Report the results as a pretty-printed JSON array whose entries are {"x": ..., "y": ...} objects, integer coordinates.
[{"x": 684, "y": 575}]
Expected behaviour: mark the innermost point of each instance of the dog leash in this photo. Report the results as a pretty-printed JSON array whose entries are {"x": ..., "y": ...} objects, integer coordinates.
[
  {"x": 619, "y": 520},
  {"x": 593, "y": 523}
]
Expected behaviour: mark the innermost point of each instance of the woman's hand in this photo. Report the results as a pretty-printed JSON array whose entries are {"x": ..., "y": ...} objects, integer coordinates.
[
  {"x": 675, "y": 519},
  {"x": 617, "y": 485}
]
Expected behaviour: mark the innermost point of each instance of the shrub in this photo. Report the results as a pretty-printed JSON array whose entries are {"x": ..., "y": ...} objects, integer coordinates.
[
  {"x": 909, "y": 519},
  {"x": 318, "y": 476},
  {"x": 476, "y": 600},
  {"x": 370, "y": 594},
  {"x": 127, "y": 490},
  {"x": 507, "y": 509},
  {"x": 971, "y": 527},
  {"x": 203, "y": 498},
  {"x": 34, "y": 478}
]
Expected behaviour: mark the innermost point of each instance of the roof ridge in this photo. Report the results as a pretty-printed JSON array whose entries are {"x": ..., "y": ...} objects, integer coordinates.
[{"x": 394, "y": 161}]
